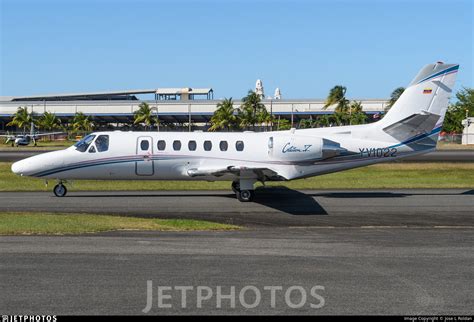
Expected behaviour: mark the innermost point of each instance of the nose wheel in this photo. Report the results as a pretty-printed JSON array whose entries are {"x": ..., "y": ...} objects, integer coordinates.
[{"x": 60, "y": 190}]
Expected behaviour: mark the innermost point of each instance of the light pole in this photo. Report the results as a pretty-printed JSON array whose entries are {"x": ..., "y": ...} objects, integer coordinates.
[{"x": 157, "y": 119}]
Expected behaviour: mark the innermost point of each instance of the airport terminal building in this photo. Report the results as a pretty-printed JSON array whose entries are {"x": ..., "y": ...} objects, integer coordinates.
[{"x": 172, "y": 105}]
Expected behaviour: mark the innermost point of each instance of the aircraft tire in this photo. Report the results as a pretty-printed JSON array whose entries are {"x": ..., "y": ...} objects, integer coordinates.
[
  {"x": 245, "y": 195},
  {"x": 60, "y": 190}
]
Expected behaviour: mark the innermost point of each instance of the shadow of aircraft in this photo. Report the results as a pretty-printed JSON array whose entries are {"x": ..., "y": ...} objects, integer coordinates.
[
  {"x": 360, "y": 194},
  {"x": 289, "y": 201}
]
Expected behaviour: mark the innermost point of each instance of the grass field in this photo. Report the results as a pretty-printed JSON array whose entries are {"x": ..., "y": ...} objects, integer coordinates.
[
  {"x": 40, "y": 146},
  {"x": 454, "y": 146},
  {"x": 17, "y": 223},
  {"x": 390, "y": 175}
]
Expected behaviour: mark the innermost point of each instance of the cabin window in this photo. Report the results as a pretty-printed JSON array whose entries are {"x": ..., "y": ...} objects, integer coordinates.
[
  {"x": 223, "y": 145},
  {"x": 192, "y": 145},
  {"x": 83, "y": 144},
  {"x": 161, "y": 145},
  {"x": 92, "y": 149},
  {"x": 207, "y": 145},
  {"x": 144, "y": 145},
  {"x": 239, "y": 145},
  {"x": 176, "y": 145},
  {"x": 102, "y": 143}
]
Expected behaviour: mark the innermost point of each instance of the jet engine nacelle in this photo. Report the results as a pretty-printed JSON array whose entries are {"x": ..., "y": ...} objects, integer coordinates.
[{"x": 302, "y": 148}]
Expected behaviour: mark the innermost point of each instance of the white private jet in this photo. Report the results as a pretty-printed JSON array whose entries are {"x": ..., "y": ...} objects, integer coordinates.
[{"x": 410, "y": 127}]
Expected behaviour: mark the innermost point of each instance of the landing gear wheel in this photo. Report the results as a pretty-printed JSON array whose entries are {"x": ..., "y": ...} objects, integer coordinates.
[
  {"x": 245, "y": 195},
  {"x": 235, "y": 186},
  {"x": 59, "y": 190}
]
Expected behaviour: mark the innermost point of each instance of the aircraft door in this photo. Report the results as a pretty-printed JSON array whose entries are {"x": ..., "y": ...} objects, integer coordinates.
[{"x": 144, "y": 166}]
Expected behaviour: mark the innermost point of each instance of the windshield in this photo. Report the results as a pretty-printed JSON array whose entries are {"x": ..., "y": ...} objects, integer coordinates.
[{"x": 83, "y": 144}]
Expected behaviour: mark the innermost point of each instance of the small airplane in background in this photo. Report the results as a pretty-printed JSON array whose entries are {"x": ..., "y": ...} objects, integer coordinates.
[
  {"x": 26, "y": 139},
  {"x": 410, "y": 127}
]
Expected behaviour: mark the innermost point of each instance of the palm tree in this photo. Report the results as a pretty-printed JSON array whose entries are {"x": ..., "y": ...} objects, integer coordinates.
[
  {"x": 306, "y": 124},
  {"x": 252, "y": 107},
  {"x": 323, "y": 120},
  {"x": 283, "y": 124},
  {"x": 22, "y": 119},
  {"x": 224, "y": 117},
  {"x": 81, "y": 122},
  {"x": 357, "y": 116},
  {"x": 394, "y": 97},
  {"x": 337, "y": 96},
  {"x": 264, "y": 118},
  {"x": 144, "y": 115},
  {"x": 49, "y": 122},
  {"x": 269, "y": 120}
]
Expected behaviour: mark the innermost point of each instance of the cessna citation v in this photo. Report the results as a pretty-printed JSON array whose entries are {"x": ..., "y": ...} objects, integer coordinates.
[{"x": 410, "y": 127}]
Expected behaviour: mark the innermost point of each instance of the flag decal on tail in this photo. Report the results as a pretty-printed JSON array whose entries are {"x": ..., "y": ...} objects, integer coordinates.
[{"x": 427, "y": 91}]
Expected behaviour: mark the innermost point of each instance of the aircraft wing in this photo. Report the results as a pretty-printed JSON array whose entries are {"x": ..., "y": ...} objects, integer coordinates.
[
  {"x": 43, "y": 134},
  {"x": 260, "y": 173}
]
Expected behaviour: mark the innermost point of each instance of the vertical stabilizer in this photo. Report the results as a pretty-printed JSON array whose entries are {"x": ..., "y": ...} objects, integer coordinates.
[{"x": 428, "y": 94}]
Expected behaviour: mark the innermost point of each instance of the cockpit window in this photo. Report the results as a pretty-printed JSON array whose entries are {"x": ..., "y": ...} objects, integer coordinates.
[
  {"x": 83, "y": 144},
  {"x": 102, "y": 143}
]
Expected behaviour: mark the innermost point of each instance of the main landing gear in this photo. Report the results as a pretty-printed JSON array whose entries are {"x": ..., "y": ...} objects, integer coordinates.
[
  {"x": 60, "y": 190},
  {"x": 244, "y": 190}
]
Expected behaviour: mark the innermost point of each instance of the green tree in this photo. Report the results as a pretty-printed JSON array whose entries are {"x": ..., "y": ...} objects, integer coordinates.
[
  {"x": 252, "y": 111},
  {"x": 306, "y": 124},
  {"x": 21, "y": 119},
  {"x": 264, "y": 118},
  {"x": 397, "y": 92},
  {"x": 144, "y": 115},
  {"x": 49, "y": 122},
  {"x": 224, "y": 117},
  {"x": 82, "y": 123},
  {"x": 357, "y": 116},
  {"x": 337, "y": 96},
  {"x": 323, "y": 120},
  {"x": 283, "y": 124},
  {"x": 457, "y": 111}
]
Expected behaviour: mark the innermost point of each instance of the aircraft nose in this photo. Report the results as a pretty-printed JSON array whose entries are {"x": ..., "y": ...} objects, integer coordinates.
[{"x": 18, "y": 167}]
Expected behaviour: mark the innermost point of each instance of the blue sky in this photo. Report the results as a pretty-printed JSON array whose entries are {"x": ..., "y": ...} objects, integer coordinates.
[{"x": 303, "y": 47}]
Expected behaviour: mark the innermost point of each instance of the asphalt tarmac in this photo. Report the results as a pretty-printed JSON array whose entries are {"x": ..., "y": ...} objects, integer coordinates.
[
  {"x": 281, "y": 207},
  {"x": 402, "y": 252},
  {"x": 352, "y": 270},
  {"x": 437, "y": 156}
]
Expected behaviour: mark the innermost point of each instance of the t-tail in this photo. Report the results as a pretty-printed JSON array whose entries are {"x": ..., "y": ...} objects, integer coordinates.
[{"x": 417, "y": 116}]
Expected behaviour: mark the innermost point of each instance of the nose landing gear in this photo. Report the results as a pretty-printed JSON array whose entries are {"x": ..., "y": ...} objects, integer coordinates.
[{"x": 60, "y": 190}]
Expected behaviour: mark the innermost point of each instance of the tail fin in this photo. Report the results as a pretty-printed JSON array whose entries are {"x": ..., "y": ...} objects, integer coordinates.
[{"x": 422, "y": 106}]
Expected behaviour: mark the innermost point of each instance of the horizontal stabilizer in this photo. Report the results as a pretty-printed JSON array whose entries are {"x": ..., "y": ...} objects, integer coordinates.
[{"x": 413, "y": 125}]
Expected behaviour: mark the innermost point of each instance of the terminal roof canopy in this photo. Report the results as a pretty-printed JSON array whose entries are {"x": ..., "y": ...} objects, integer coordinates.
[{"x": 160, "y": 94}]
